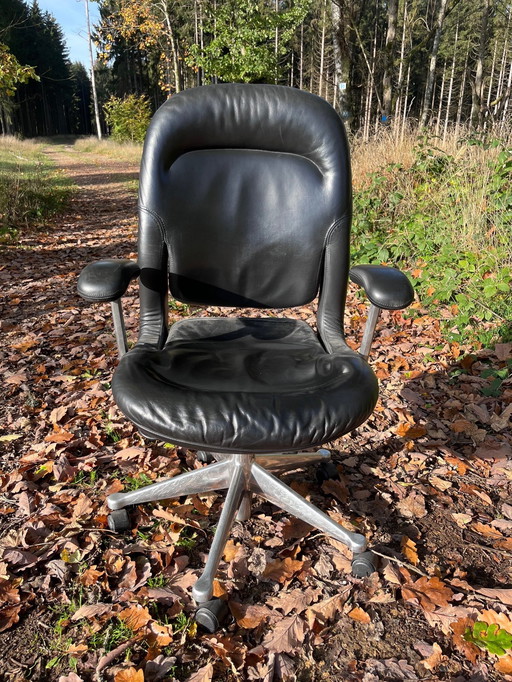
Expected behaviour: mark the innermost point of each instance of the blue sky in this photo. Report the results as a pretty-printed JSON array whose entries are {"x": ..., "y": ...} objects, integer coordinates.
[{"x": 70, "y": 15}]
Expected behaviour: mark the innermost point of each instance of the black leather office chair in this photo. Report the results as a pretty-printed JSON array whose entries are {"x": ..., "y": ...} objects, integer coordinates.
[{"x": 245, "y": 200}]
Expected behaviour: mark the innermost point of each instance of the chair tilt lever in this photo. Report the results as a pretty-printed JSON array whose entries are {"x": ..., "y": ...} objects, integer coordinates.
[{"x": 241, "y": 475}]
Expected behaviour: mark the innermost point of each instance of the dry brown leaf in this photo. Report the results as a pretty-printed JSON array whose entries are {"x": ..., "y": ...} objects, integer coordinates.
[
  {"x": 391, "y": 574},
  {"x": 204, "y": 674},
  {"x": 282, "y": 570},
  {"x": 249, "y": 616},
  {"x": 286, "y": 636},
  {"x": 440, "y": 483},
  {"x": 409, "y": 550},
  {"x": 413, "y": 506},
  {"x": 129, "y": 675},
  {"x": 500, "y": 595},
  {"x": 435, "y": 658},
  {"x": 486, "y": 531},
  {"x": 358, "y": 614},
  {"x": 504, "y": 665},
  {"x": 462, "y": 520},
  {"x": 410, "y": 431},
  {"x": 296, "y": 600},
  {"x": 9, "y": 616},
  {"x": 430, "y": 592},
  {"x": 90, "y": 576},
  {"x": 82, "y": 507},
  {"x": 459, "y": 627},
  {"x": 230, "y": 551},
  {"x": 489, "y": 616},
  {"x": 135, "y": 617},
  {"x": 90, "y": 610},
  {"x": 327, "y": 609}
]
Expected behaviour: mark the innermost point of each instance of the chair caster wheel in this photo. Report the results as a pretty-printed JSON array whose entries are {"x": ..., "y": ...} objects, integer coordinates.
[
  {"x": 204, "y": 457},
  {"x": 119, "y": 521},
  {"x": 327, "y": 471},
  {"x": 364, "y": 564},
  {"x": 211, "y": 614}
]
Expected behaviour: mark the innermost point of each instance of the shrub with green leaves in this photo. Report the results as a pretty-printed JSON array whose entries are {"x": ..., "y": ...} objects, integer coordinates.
[
  {"x": 446, "y": 219},
  {"x": 128, "y": 118}
]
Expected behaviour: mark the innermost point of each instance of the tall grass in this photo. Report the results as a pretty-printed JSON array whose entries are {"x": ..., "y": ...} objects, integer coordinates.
[
  {"x": 443, "y": 210},
  {"x": 31, "y": 188},
  {"x": 130, "y": 152}
]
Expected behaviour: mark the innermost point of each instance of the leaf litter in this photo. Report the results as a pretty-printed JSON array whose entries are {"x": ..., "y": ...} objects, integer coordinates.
[{"x": 427, "y": 478}]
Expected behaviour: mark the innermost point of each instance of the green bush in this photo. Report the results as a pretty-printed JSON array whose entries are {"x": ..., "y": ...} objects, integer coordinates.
[
  {"x": 128, "y": 118},
  {"x": 446, "y": 219}
]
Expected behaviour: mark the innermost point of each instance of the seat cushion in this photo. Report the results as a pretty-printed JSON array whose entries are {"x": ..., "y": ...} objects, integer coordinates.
[{"x": 244, "y": 385}]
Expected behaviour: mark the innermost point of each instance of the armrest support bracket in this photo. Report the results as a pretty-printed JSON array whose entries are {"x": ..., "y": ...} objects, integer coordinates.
[
  {"x": 386, "y": 289},
  {"x": 107, "y": 281}
]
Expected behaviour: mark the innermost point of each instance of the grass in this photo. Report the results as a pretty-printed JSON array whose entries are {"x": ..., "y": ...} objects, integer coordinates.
[
  {"x": 32, "y": 190},
  {"x": 121, "y": 151},
  {"x": 441, "y": 210}
]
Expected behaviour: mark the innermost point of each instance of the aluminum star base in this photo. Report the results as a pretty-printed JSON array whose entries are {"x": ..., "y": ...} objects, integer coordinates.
[{"x": 241, "y": 475}]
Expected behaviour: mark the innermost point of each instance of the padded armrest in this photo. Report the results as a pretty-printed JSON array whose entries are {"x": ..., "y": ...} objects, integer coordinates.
[
  {"x": 106, "y": 280},
  {"x": 386, "y": 288}
]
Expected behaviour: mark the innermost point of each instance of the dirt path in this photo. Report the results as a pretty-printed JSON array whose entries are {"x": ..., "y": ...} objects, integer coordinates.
[{"x": 427, "y": 479}]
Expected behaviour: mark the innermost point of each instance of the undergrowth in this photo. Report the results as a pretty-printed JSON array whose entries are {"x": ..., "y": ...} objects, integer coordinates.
[
  {"x": 445, "y": 218},
  {"x": 31, "y": 188}
]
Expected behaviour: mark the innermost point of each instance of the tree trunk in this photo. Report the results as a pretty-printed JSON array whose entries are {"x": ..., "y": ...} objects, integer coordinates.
[
  {"x": 389, "y": 58},
  {"x": 93, "y": 79},
  {"x": 450, "y": 88},
  {"x": 461, "y": 94},
  {"x": 478, "y": 84},
  {"x": 429, "y": 87}
]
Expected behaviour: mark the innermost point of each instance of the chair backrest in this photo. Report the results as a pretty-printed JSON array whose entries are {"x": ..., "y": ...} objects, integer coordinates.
[{"x": 240, "y": 188}]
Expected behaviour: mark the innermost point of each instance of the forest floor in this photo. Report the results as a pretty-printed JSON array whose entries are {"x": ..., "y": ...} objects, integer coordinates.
[{"x": 428, "y": 479}]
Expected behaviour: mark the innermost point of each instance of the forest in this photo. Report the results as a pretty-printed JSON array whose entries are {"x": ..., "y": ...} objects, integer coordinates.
[{"x": 438, "y": 63}]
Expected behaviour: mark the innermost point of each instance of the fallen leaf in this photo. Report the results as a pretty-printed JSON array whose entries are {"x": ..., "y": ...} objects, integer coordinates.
[
  {"x": 410, "y": 431},
  {"x": 409, "y": 550},
  {"x": 296, "y": 600},
  {"x": 129, "y": 675},
  {"x": 249, "y": 616},
  {"x": 135, "y": 617},
  {"x": 358, "y": 614},
  {"x": 500, "y": 595},
  {"x": 286, "y": 636},
  {"x": 204, "y": 674},
  {"x": 9, "y": 616},
  {"x": 90, "y": 610},
  {"x": 282, "y": 570},
  {"x": 486, "y": 531},
  {"x": 435, "y": 658},
  {"x": 459, "y": 627},
  {"x": 504, "y": 664},
  {"x": 462, "y": 520},
  {"x": 413, "y": 506},
  {"x": 430, "y": 592}
]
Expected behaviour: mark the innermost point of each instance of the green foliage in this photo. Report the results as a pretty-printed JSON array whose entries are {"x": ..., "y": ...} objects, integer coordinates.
[
  {"x": 128, "y": 118},
  {"x": 242, "y": 47},
  {"x": 12, "y": 73},
  {"x": 31, "y": 189},
  {"x": 447, "y": 220},
  {"x": 489, "y": 637}
]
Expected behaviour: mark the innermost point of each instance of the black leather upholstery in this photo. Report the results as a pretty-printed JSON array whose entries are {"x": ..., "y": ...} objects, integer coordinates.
[
  {"x": 245, "y": 199},
  {"x": 241, "y": 188},
  {"x": 386, "y": 288},
  {"x": 106, "y": 280},
  {"x": 244, "y": 385}
]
